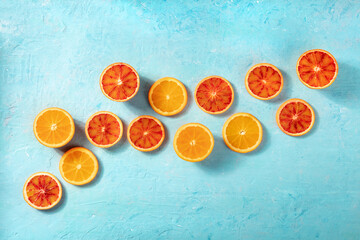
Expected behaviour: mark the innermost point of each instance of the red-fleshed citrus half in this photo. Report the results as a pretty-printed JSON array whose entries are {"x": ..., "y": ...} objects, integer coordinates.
[
  {"x": 317, "y": 69},
  {"x": 104, "y": 129},
  {"x": 264, "y": 81},
  {"x": 119, "y": 82},
  {"x": 214, "y": 95},
  {"x": 146, "y": 133},
  {"x": 42, "y": 190},
  {"x": 295, "y": 117}
]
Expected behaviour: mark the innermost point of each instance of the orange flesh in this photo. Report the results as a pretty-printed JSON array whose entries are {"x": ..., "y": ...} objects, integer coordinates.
[
  {"x": 120, "y": 82},
  {"x": 317, "y": 69},
  {"x": 146, "y": 133},
  {"x": 193, "y": 142},
  {"x": 53, "y": 127},
  {"x": 168, "y": 96},
  {"x": 264, "y": 81},
  {"x": 42, "y": 191},
  {"x": 104, "y": 129},
  {"x": 214, "y": 95},
  {"x": 295, "y": 117}
]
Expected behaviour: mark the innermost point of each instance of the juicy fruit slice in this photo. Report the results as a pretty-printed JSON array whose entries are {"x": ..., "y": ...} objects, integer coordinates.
[
  {"x": 78, "y": 166},
  {"x": 242, "y": 132},
  {"x": 317, "y": 69},
  {"x": 295, "y": 117},
  {"x": 214, "y": 95},
  {"x": 119, "y": 82},
  {"x": 264, "y": 81},
  {"x": 104, "y": 129},
  {"x": 146, "y": 133},
  {"x": 42, "y": 190},
  {"x": 54, "y": 127},
  {"x": 193, "y": 142},
  {"x": 168, "y": 96}
]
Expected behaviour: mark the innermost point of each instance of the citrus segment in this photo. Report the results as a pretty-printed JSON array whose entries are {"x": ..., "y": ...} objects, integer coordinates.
[
  {"x": 119, "y": 82},
  {"x": 317, "y": 69},
  {"x": 78, "y": 166},
  {"x": 193, "y": 142},
  {"x": 54, "y": 127},
  {"x": 42, "y": 190},
  {"x": 295, "y": 117},
  {"x": 242, "y": 132},
  {"x": 264, "y": 81},
  {"x": 214, "y": 95},
  {"x": 104, "y": 129},
  {"x": 168, "y": 96},
  {"x": 146, "y": 133}
]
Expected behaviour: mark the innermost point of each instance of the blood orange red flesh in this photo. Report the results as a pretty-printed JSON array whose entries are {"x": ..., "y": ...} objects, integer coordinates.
[
  {"x": 317, "y": 68},
  {"x": 214, "y": 95},
  {"x": 264, "y": 81},
  {"x": 119, "y": 82},
  {"x": 295, "y": 117},
  {"x": 104, "y": 129},
  {"x": 42, "y": 191},
  {"x": 146, "y": 133}
]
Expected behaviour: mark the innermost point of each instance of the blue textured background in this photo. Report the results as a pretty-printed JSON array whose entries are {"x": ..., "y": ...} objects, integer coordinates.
[{"x": 52, "y": 54}]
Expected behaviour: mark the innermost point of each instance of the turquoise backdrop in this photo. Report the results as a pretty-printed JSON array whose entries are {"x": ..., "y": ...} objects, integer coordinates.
[{"x": 52, "y": 54}]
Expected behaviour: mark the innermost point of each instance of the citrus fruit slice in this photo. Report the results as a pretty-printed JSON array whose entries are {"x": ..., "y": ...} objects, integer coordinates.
[
  {"x": 295, "y": 117},
  {"x": 242, "y": 132},
  {"x": 264, "y": 81},
  {"x": 317, "y": 69},
  {"x": 214, "y": 95},
  {"x": 146, "y": 133},
  {"x": 54, "y": 127},
  {"x": 78, "y": 166},
  {"x": 193, "y": 142},
  {"x": 168, "y": 96},
  {"x": 42, "y": 190},
  {"x": 119, "y": 82},
  {"x": 104, "y": 129}
]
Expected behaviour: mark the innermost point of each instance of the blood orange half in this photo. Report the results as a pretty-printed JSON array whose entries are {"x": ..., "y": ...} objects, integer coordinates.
[
  {"x": 146, "y": 133},
  {"x": 295, "y": 117},
  {"x": 119, "y": 82},
  {"x": 214, "y": 95},
  {"x": 264, "y": 81},
  {"x": 104, "y": 129},
  {"x": 317, "y": 68},
  {"x": 42, "y": 190}
]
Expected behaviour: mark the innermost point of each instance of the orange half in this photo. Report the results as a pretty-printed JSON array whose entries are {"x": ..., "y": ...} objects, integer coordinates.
[
  {"x": 78, "y": 166},
  {"x": 193, "y": 142},
  {"x": 317, "y": 69},
  {"x": 54, "y": 127},
  {"x": 214, "y": 95},
  {"x": 264, "y": 81},
  {"x": 119, "y": 82},
  {"x": 146, "y": 133},
  {"x": 42, "y": 191},
  {"x": 295, "y": 117},
  {"x": 104, "y": 129}
]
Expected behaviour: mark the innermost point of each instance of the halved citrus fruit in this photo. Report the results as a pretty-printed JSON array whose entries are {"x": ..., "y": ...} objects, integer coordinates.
[
  {"x": 42, "y": 190},
  {"x": 317, "y": 68},
  {"x": 295, "y": 117},
  {"x": 242, "y": 132},
  {"x": 104, "y": 129},
  {"x": 193, "y": 142},
  {"x": 146, "y": 133},
  {"x": 168, "y": 96},
  {"x": 78, "y": 166},
  {"x": 54, "y": 127},
  {"x": 214, "y": 95},
  {"x": 264, "y": 81},
  {"x": 119, "y": 82}
]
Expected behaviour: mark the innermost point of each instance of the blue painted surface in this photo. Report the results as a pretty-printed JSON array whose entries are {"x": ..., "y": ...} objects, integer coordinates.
[{"x": 51, "y": 54}]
